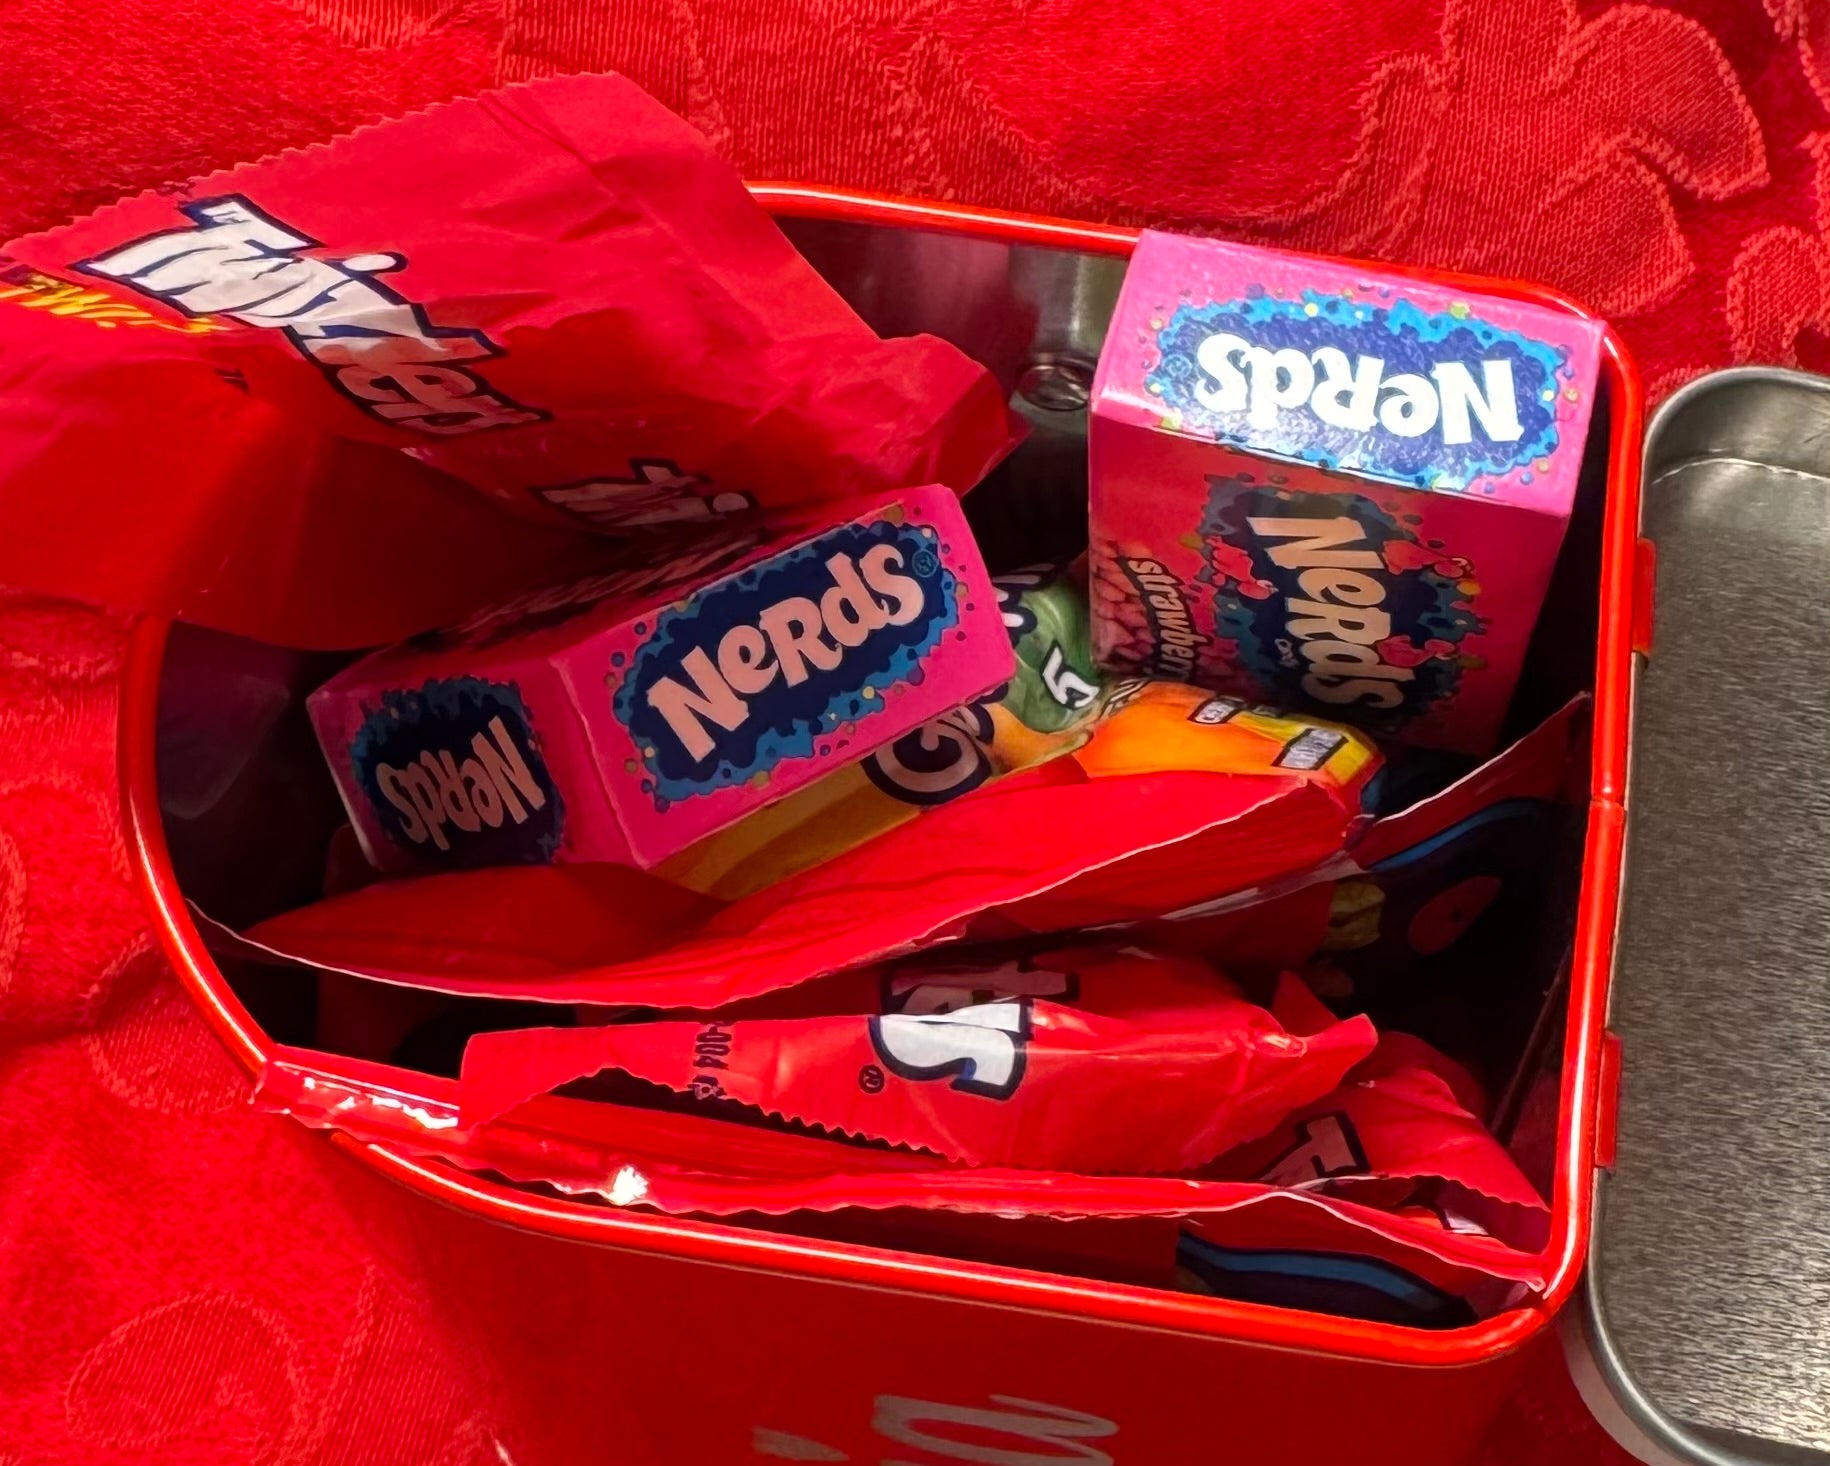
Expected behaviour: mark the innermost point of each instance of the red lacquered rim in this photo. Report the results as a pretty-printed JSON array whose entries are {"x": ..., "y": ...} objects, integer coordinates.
[{"x": 1583, "y": 1096}]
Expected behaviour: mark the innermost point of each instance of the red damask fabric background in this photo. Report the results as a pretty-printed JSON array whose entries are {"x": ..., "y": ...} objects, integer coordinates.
[{"x": 182, "y": 1281}]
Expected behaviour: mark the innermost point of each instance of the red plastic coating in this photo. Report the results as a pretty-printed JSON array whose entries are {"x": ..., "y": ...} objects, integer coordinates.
[{"x": 1645, "y": 594}]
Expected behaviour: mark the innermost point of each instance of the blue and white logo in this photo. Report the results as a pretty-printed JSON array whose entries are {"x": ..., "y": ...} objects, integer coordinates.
[
  {"x": 1387, "y": 391},
  {"x": 454, "y": 775},
  {"x": 757, "y": 669}
]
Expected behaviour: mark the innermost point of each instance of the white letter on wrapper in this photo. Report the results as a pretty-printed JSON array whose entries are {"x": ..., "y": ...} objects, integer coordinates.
[
  {"x": 237, "y": 261},
  {"x": 388, "y": 780},
  {"x": 1057, "y": 1433},
  {"x": 1410, "y": 409},
  {"x": 1326, "y": 1146},
  {"x": 980, "y": 1046},
  {"x": 934, "y": 993},
  {"x": 1215, "y": 356},
  {"x": 710, "y": 697},
  {"x": 508, "y": 771},
  {"x": 879, "y": 568},
  {"x": 1498, "y": 411},
  {"x": 1346, "y": 395},
  {"x": 1280, "y": 379}
]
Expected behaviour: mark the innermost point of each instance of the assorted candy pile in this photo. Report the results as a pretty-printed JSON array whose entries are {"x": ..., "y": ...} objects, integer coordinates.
[{"x": 734, "y": 838}]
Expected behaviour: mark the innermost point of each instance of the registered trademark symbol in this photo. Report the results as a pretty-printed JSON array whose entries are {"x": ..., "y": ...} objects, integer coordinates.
[{"x": 870, "y": 1079}]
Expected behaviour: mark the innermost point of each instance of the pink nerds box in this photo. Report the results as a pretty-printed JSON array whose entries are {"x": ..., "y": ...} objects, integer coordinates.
[
  {"x": 1316, "y": 484},
  {"x": 623, "y": 717}
]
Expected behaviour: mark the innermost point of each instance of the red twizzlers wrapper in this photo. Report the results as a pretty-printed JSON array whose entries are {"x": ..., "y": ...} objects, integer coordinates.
[
  {"x": 556, "y": 293},
  {"x": 1093, "y": 1060},
  {"x": 1398, "y": 1137},
  {"x": 1402, "y": 1134}
]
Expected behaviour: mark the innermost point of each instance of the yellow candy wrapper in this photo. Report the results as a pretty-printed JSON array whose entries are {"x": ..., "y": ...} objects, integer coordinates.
[
  {"x": 1146, "y": 726},
  {"x": 1051, "y": 709}
]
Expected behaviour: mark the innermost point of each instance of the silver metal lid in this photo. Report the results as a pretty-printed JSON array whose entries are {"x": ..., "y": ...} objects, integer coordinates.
[{"x": 1706, "y": 1334}]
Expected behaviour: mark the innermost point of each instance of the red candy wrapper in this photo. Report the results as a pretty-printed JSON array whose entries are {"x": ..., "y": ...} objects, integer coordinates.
[
  {"x": 1040, "y": 852},
  {"x": 1400, "y": 1136},
  {"x": 1406, "y": 1269},
  {"x": 1091, "y": 1060},
  {"x": 691, "y": 1164},
  {"x": 1401, "y": 1133},
  {"x": 556, "y": 293}
]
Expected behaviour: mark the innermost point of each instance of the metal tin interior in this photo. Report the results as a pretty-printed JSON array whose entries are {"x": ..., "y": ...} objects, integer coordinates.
[
  {"x": 1035, "y": 315},
  {"x": 1710, "y": 1270}
]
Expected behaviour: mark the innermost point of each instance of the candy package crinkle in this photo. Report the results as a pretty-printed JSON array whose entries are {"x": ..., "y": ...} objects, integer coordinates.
[
  {"x": 556, "y": 294},
  {"x": 1091, "y": 1060}
]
